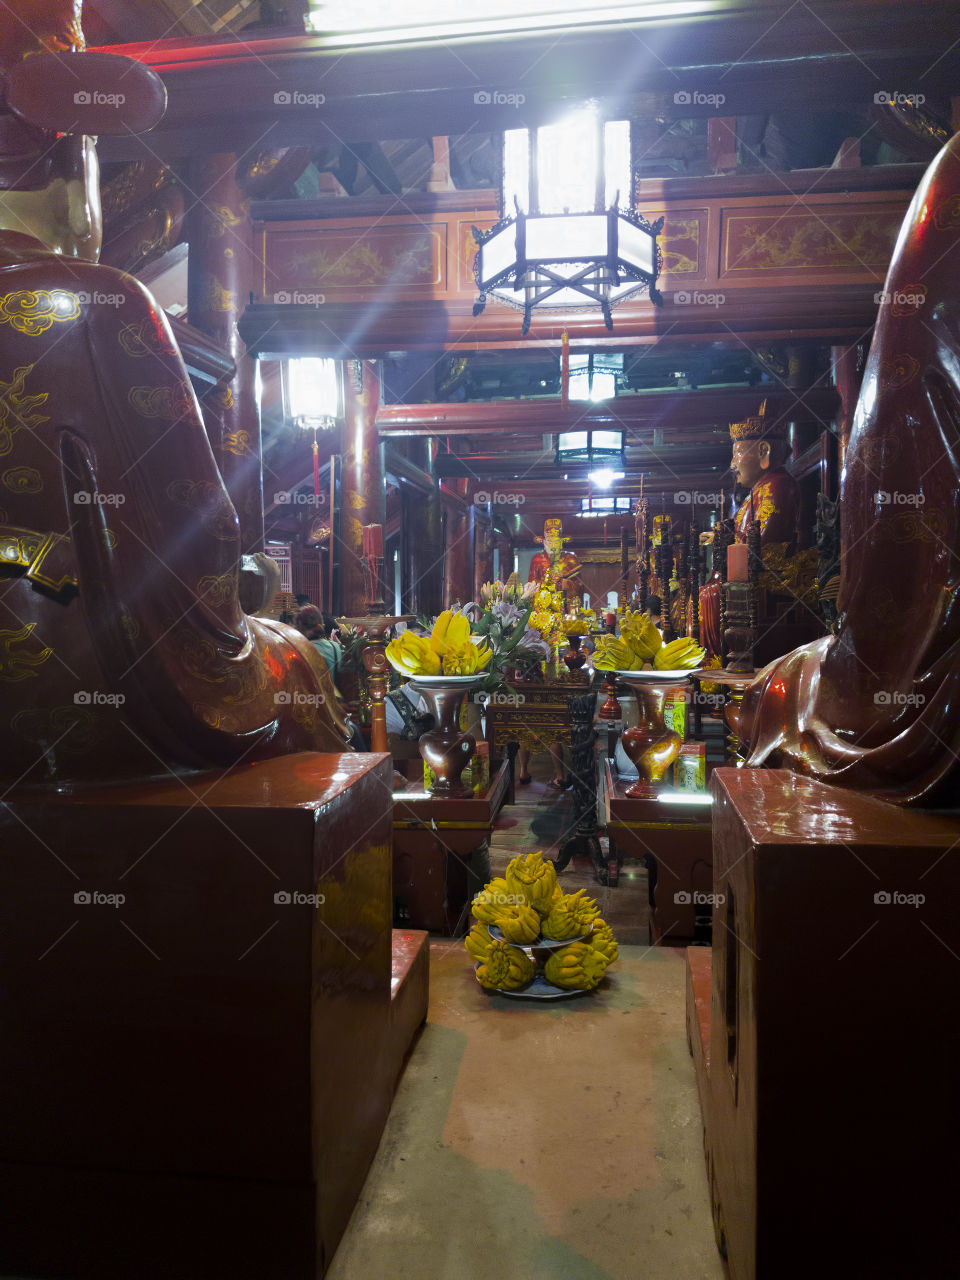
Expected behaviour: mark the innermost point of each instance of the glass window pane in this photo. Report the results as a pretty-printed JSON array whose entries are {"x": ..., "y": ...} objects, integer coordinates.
[
  {"x": 498, "y": 254},
  {"x": 575, "y": 441},
  {"x": 611, "y": 441},
  {"x": 616, "y": 163},
  {"x": 634, "y": 246},
  {"x": 567, "y": 162},
  {"x": 516, "y": 170},
  {"x": 313, "y": 388},
  {"x": 568, "y": 239}
]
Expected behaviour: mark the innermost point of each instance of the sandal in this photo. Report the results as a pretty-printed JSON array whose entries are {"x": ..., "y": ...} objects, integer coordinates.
[{"x": 523, "y": 781}]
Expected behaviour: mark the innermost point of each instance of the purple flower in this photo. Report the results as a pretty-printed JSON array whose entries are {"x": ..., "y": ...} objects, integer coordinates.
[{"x": 507, "y": 614}]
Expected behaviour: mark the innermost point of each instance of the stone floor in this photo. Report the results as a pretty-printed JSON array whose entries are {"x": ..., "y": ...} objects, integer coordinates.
[{"x": 550, "y": 1142}]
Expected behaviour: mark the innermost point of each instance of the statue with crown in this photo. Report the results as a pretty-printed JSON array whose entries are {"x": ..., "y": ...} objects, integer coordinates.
[
  {"x": 119, "y": 546},
  {"x": 561, "y": 567}
]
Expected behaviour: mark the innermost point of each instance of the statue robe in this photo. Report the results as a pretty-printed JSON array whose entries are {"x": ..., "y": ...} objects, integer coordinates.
[
  {"x": 123, "y": 647},
  {"x": 877, "y": 705}
]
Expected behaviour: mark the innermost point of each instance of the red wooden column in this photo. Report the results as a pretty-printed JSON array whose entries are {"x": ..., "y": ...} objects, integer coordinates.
[
  {"x": 362, "y": 500},
  {"x": 220, "y": 278},
  {"x": 847, "y": 374},
  {"x": 458, "y": 558}
]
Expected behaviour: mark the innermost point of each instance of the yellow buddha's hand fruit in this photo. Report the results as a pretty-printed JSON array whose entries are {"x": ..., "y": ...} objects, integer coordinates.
[
  {"x": 492, "y": 899},
  {"x": 611, "y": 654},
  {"x": 679, "y": 655},
  {"x": 519, "y": 924},
  {"x": 601, "y": 937},
  {"x": 578, "y": 967},
  {"x": 642, "y": 635},
  {"x": 413, "y": 655},
  {"x": 533, "y": 880},
  {"x": 505, "y": 968},
  {"x": 571, "y": 917},
  {"x": 478, "y": 942}
]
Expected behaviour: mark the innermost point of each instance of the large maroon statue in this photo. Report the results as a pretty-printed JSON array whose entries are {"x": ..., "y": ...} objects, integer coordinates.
[
  {"x": 877, "y": 705},
  {"x": 123, "y": 647}
]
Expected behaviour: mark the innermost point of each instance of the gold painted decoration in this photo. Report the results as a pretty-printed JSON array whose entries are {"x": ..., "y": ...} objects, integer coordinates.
[
  {"x": 22, "y": 480},
  {"x": 217, "y": 590},
  {"x": 897, "y": 371},
  {"x": 169, "y": 403},
  {"x": 144, "y": 338},
  {"x": 17, "y": 408},
  {"x": 679, "y": 239},
  {"x": 214, "y": 297},
  {"x": 17, "y": 663},
  {"x": 946, "y": 216},
  {"x": 74, "y": 729},
  {"x": 34, "y": 311},
  {"x": 794, "y": 575},
  {"x": 237, "y": 443},
  {"x": 226, "y": 219},
  {"x": 209, "y": 500},
  {"x": 224, "y": 398}
]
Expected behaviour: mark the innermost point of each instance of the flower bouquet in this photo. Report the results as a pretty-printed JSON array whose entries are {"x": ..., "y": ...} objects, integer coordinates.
[{"x": 532, "y": 939}]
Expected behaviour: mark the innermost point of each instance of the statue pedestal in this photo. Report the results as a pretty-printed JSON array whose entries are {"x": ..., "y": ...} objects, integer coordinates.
[{"x": 199, "y": 1043}]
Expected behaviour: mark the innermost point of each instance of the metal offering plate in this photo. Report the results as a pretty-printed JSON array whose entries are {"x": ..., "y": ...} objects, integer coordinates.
[
  {"x": 655, "y": 675},
  {"x": 542, "y": 944},
  {"x": 539, "y": 989}
]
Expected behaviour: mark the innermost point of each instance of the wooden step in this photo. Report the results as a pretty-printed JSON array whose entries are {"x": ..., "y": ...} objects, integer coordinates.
[
  {"x": 699, "y": 979},
  {"x": 409, "y": 991}
]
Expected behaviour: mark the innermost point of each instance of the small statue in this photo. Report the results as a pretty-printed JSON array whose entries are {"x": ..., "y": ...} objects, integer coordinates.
[
  {"x": 562, "y": 565},
  {"x": 124, "y": 650},
  {"x": 759, "y": 452}
]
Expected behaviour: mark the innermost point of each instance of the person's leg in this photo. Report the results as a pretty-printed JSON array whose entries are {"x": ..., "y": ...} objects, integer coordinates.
[
  {"x": 523, "y": 760},
  {"x": 559, "y": 768}
]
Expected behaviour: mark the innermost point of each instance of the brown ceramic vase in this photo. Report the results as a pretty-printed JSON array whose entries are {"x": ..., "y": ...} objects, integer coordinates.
[
  {"x": 446, "y": 748},
  {"x": 574, "y": 658},
  {"x": 651, "y": 746}
]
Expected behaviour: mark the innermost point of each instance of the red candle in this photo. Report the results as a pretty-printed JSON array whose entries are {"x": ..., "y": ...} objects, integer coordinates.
[{"x": 737, "y": 554}]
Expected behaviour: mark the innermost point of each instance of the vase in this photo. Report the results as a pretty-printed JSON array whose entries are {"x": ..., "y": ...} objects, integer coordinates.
[
  {"x": 651, "y": 747},
  {"x": 574, "y": 657},
  {"x": 446, "y": 748}
]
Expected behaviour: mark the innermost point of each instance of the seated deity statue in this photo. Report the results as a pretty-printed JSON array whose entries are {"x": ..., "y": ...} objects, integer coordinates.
[
  {"x": 876, "y": 705},
  {"x": 124, "y": 651}
]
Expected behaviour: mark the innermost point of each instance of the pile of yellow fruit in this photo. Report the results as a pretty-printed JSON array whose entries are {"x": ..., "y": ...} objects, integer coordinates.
[
  {"x": 528, "y": 907},
  {"x": 447, "y": 651},
  {"x": 640, "y": 647}
]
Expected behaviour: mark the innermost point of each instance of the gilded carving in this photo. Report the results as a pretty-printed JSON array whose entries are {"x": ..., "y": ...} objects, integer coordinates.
[
  {"x": 214, "y": 297},
  {"x": 226, "y": 219},
  {"x": 362, "y": 265},
  {"x": 131, "y": 627},
  {"x": 144, "y": 338},
  {"x": 18, "y": 663},
  {"x": 33, "y": 311},
  {"x": 897, "y": 371},
  {"x": 928, "y": 525},
  {"x": 224, "y": 398},
  {"x": 946, "y": 216},
  {"x": 17, "y": 409},
  {"x": 170, "y": 402},
  {"x": 207, "y": 498},
  {"x": 676, "y": 233},
  {"x": 23, "y": 480},
  {"x": 237, "y": 443},
  {"x": 73, "y": 729},
  {"x": 787, "y": 241},
  {"x": 217, "y": 590}
]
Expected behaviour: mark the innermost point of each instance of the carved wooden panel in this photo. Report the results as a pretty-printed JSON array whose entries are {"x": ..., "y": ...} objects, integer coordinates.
[
  {"x": 350, "y": 260},
  {"x": 809, "y": 240}
]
